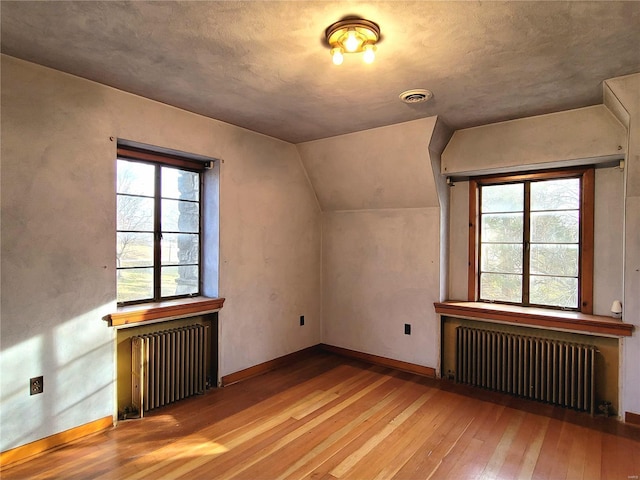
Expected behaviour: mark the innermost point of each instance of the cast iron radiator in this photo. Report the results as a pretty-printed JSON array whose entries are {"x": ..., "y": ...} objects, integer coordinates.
[
  {"x": 168, "y": 366},
  {"x": 541, "y": 369}
]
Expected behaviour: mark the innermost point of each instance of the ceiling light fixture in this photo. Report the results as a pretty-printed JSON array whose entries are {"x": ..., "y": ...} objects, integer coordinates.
[{"x": 353, "y": 35}]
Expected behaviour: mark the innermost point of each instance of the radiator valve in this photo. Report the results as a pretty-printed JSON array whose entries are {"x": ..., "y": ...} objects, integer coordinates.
[
  {"x": 605, "y": 408},
  {"x": 128, "y": 413}
]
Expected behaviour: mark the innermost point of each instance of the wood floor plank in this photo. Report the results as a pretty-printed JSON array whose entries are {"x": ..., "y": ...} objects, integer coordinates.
[
  {"x": 335, "y": 436},
  {"x": 576, "y": 457},
  {"x": 307, "y": 439},
  {"x": 343, "y": 467},
  {"x": 568, "y": 433},
  {"x": 512, "y": 459},
  {"x": 266, "y": 416},
  {"x": 362, "y": 431},
  {"x": 462, "y": 461},
  {"x": 622, "y": 455},
  {"x": 531, "y": 455},
  {"x": 228, "y": 402},
  {"x": 501, "y": 450},
  {"x": 545, "y": 463},
  {"x": 328, "y": 417},
  {"x": 236, "y": 463},
  {"x": 592, "y": 455},
  {"x": 490, "y": 435},
  {"x": 165, "y": 458},
  {"x": 447, "y": 431},
  {"x": 451, "y": 443},
  {"x": 405, "y": 442},
  {"x": 309, "y": 426}
]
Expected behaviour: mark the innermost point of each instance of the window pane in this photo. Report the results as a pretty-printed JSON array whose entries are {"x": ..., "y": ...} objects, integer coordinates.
[
  {"x": 134, "y": 250},
  {"x": 182, "y": 280},
  {"x": 179, "y": 216},
  {"x": 554, "y": 260},
  {"x": 135, "y": 178},
  {"x": 554, "y": 291},
  {"x": 555, "y": 227},
  {"x": 502, "y": 227},
  {"x": 501, "y": 258},
  {"x": 135, "y": 284},
  {"x": 501, "y": 287},
  {"x": 180, "y": 248},
  {"x": 135, "y": 213},
  {"x": 180, "y": 184},
  {"x": 502, "y": 198},
  {"x": 556, "y": 194}
]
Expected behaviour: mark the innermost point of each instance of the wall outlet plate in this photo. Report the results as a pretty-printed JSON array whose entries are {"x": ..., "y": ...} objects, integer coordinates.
[
  {"x": 407, "y": 329},
  {"x": 36, "y": 385},
  {"x": 301, "y": 320}
]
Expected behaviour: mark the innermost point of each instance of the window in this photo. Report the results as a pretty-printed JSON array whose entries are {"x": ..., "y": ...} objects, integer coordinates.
[
  {"x": 531, "y": 239},
  {"x": 158, "y": 226}
]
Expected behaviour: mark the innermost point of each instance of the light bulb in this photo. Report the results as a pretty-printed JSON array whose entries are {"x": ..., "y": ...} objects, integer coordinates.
[
  {"x": 338, "y": 58},
  {"x": 352, "y": 42},
  {"x": 369, "y": 53}
]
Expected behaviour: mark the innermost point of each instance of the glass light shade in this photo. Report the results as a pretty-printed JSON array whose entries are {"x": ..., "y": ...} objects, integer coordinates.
[
  {"x": 352, "y": 42},
  {"x": 337, "y": 56},
  {"x": 352, "y": 35},
  {"x": 369, "y": 53}
]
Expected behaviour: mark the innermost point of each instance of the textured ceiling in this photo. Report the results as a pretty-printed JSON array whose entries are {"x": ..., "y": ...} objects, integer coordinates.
[{"x": 263, "y": 65}]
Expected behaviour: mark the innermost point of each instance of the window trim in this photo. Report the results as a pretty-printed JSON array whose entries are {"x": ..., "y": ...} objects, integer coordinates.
[
  {"x": 585, "y": 282},
  {"x": 174, "y": 161},
  {"x": 164, "y": 311},
  {"x": 131, "y": 153}
]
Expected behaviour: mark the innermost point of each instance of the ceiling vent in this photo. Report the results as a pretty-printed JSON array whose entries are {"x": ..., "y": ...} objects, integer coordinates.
[{"x": 418, "y": 95}]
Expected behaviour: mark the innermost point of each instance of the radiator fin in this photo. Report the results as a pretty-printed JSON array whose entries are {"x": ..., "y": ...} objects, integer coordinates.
[
  {"x": 547, "y": 370},
  {"x": 168, "y": 366}
]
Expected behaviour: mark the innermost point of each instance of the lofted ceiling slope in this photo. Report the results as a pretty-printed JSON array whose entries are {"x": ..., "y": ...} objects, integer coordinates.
[{"x": 263, "y": 65}]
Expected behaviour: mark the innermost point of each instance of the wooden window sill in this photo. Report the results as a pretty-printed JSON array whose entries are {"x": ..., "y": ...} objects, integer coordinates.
[
  {"x": 163, "y": 311},
  {"x": 567, "y": 321}
]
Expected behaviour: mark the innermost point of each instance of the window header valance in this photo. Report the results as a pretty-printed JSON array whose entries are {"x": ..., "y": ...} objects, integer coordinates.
[{"x": 163, "y": 158}]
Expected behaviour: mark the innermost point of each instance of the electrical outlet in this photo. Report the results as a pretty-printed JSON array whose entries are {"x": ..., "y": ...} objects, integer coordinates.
[
  {"x": 301, "y": 320},
  {"x": 407, "y": 329},
  {"x": 36, "y": 385}
]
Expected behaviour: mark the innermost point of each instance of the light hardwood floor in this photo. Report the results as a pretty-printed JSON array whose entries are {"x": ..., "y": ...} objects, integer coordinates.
[{"x": 327, "y": 417}]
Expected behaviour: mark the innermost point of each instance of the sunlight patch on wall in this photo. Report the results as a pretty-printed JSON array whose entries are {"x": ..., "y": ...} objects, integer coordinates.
[
  {"x": 21, "y": 412},
  {"x": 78, "y": 382},
  {"x": 76, "y": 387}
]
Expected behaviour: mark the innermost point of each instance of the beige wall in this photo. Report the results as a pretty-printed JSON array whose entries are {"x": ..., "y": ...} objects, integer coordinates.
[
  {"x": 58, "y": 242},
  {"x": 626, "y": 95},
  {"x": 380, "y": 270},
  {"x": 545, "y": 141},
  {"x": 380, "y": 240},
  {"x": 386, "y": 167}
]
